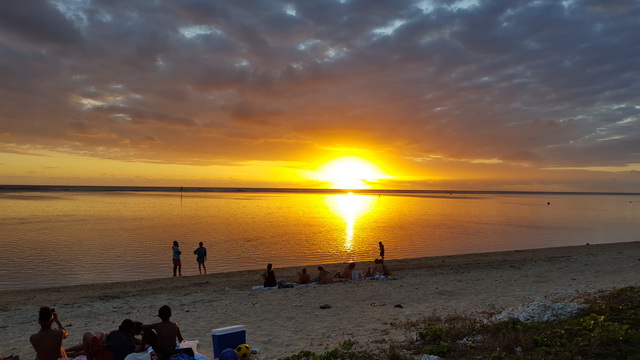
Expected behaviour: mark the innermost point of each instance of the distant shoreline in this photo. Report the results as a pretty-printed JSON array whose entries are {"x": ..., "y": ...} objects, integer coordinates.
[
  {"x": 397, "y": 265},
  {"x": 90, "y": 188}
]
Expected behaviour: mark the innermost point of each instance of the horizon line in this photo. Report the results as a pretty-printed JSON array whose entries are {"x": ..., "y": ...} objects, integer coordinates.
[{"x": 135, "y": 188}]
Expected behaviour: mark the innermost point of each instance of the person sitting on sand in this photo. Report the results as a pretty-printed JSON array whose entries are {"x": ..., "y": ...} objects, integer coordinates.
[
  {"x": 303, "y": 277},
  {"x": 149, "y": 339},
  {"x": 385, "y": 269},
  {"x": 93, "y": 345},
  {"x": 323, "y": 276},
  {"x": 167, "y": 331},
  {"x": 269, "y": 277},
  {"x": 346, "y": 272},
  {"x": 121, "y": 342},
  {"x": 114, "y": 345},
  {"x": 48, "y": 342},
  {"x": 379, "y": 268},
  {"x": 138, "y": 335}
]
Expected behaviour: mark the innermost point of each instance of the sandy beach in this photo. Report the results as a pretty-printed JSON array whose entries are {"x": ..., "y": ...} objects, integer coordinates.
[{"x": 282, "y": 322}]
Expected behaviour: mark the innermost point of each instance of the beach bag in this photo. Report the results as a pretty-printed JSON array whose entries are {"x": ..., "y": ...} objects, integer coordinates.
[
  {"x": 189, "y": 344},
  {"x": 193, "y": 345},
  {"x": 284, "y": 285}
]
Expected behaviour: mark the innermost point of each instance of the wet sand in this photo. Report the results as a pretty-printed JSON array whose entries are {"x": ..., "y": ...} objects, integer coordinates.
[{"x": 281, "y": 322}]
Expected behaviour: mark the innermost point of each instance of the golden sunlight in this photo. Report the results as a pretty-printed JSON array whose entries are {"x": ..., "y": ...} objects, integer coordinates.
[
  {"x": 350, "y": 172},
  {"x": 350, "y": 207}
]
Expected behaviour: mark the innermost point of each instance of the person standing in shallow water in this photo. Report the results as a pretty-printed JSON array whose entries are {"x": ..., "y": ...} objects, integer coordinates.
[
  {"x": 381, "y": 249},
  {"x": 201, "y": 253},
  {"x": 177, "y": 265}
]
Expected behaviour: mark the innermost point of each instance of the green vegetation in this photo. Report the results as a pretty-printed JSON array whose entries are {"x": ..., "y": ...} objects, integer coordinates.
[
  {"x": 606, "y": 327},
  {"x": 344, "y": 352}
]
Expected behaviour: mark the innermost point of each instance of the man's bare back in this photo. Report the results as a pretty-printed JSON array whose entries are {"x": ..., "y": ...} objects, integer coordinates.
[
  {"x": 48, "y": 342},
  {"x": 168, "y": 332}
]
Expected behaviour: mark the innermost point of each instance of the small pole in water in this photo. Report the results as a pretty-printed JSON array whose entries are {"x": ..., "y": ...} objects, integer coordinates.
[{"x": 180, "y": 196}]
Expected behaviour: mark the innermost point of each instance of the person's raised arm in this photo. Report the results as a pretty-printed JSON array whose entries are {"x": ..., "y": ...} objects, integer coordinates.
[{"x": 65, "y": 333}]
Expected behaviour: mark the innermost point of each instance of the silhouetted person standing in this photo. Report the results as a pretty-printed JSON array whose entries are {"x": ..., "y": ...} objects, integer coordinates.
[
  {"x": 177, "y": 265},
  {"x": 381, "y": 249},
  {"x": 201, "y": 253}
]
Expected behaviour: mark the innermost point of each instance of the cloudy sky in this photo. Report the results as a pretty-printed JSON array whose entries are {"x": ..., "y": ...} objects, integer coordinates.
[{"x": 442, "y": 94}]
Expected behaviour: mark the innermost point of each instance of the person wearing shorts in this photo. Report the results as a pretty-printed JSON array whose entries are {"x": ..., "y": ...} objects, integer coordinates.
[
  {"x": 201, "y": 253},
  {"x": 177, "y": 265}
]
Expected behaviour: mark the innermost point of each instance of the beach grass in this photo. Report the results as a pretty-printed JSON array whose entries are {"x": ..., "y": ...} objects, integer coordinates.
[{"x": 607, "y": 326}]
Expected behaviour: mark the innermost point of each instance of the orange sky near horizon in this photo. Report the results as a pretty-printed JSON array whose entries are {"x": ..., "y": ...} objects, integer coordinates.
[{"x": 61, "y": 169}]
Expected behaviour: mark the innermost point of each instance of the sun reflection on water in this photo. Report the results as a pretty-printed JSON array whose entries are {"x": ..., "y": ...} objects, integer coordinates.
[{"x": 350, "y": 208}]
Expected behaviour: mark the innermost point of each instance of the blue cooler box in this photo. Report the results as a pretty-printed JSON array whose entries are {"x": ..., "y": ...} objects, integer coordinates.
[{"x": 227, "y": 338}]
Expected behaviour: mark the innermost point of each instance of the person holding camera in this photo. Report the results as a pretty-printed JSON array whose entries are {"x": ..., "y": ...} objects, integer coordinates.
[{"x": 48, "y": 341}]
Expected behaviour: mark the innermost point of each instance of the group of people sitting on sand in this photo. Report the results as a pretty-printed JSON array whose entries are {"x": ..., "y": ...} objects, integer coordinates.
[
  {"x": 131, "y": 341},
  {"x": 324, "y": 277}
]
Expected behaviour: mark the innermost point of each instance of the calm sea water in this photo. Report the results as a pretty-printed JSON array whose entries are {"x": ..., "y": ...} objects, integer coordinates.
[{"x": 65, "y": 236}]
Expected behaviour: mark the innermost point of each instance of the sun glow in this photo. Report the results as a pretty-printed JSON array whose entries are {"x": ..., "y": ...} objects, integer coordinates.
[
  {"x": 350, "y": 172},
  {"x": 350, "y": 208}
]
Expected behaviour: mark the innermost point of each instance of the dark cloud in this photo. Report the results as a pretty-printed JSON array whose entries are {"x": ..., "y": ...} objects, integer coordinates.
[
  {"x": 37, "y": 21},
  {"x": 544, "y": 83}
]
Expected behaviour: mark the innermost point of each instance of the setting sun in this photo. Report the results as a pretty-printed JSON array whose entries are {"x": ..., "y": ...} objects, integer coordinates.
[{"x": 350, "y": 172}]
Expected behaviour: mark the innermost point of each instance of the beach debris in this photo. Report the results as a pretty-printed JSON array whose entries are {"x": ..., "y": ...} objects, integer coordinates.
[
  {"x": 430, "y": 357},
  {"x": 471, "y": 340},
  {"x": 325, "y": 306},
  {"x": 399, "y": 306},
  {"x": 378, "y": 304},
  {"x": 540, "y": 310}
]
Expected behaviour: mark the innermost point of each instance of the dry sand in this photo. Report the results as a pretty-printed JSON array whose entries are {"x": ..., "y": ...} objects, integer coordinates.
[{"x": 284, "y": 321}]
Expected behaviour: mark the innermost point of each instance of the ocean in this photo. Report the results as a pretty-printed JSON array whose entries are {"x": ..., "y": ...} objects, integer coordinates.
[{"x": 57, "y": 235}]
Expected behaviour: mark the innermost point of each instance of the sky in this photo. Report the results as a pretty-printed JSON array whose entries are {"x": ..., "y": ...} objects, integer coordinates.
[{"x": 443, "y": 94}]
